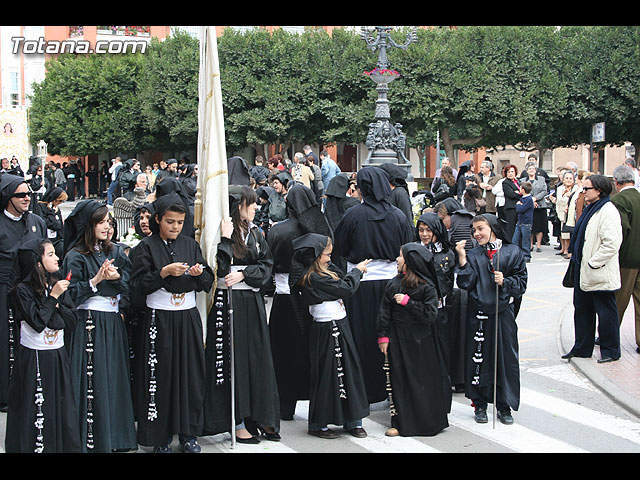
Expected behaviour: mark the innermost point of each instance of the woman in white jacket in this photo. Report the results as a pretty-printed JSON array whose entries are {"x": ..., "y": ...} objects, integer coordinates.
[{"x": 594, "y": 246}]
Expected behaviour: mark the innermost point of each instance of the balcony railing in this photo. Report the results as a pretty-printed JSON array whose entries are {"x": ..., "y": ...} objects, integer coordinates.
[{"x": 144, "y": 31}]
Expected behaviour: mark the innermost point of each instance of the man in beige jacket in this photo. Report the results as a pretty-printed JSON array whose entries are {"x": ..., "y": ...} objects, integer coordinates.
[{"x": 486, "y": 180}]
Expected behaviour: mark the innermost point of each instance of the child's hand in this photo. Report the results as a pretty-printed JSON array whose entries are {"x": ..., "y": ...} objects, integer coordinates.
[
  {"x": 499, "y": 278},
  {"x": 383, "y": 347},
  {"x": 398, "y": 297}
]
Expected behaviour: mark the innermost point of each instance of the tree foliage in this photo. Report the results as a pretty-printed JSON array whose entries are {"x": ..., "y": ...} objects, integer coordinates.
[{"x": 481, "y": 86}]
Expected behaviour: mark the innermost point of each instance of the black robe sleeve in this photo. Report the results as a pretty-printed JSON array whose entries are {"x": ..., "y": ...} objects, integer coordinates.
[
  {"x": 258, "y": 262},
  {"x": 39, "y": 313},
  {"x": 149, "y": 259}
]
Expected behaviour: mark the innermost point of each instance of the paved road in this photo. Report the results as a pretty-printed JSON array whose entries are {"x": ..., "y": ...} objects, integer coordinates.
[{"x": 566, "y": 408}]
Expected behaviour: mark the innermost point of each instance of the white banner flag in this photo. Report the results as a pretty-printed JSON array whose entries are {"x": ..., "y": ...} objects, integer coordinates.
[{"x": 213, "y": 185}]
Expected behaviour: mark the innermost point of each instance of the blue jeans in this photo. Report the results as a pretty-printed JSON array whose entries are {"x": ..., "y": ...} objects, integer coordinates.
[
  {"x": 522, "y": 238},
  {"x": 111, "y": 191}
]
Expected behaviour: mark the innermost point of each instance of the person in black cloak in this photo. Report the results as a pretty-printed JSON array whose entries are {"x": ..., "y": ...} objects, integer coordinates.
[
  {"x": 99, "y": 353},
  {"x": 337, "y": 390},
  {"x": 238, "y": 171},
  {"x": 465, "y": 169},
  {"x": 17, "y": 225},
  {"x": 400, "y": 196},
  {"x": 38, "y": 183},
  {"x": 419, "y": 386},
  {"x": 373, "y": 229},
  {"x": 48, "y": 208},
  {"x": 291, "y": 350},
  {"x": 338, "y": 201},
  {"x": 169, "y": 185},
  {"x": 244, "y": 264},
  {"x": 433, "y": 234},
  {"x": 494, "y": 264},
  {"x": 189, "y": 180},
  {"x": 168, "y": 270},
  {"x": 263, "y": 192},
  {"x": 40, "y": 392},
  {"x": 457, "y": 220}
]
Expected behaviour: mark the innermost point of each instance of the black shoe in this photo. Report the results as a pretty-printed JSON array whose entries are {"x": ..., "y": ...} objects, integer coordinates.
[
  {"x": 358, "y": 432},
  {"x": 481, "y": 415},
  {"x": 326, "y": 434},
  {"x": 250, "y": 441},
  {"x": 638, "y": 349},
  {"x": 570, "y": 355},
  {"x": 606, "y": 359},
  {"x": 163, "y": 449},
  {"x": 505, "y": 417},
  {"x": 559, "y": 247},
  {"x": 272, "y": 436},
  {"x": 191, "y": 446}
]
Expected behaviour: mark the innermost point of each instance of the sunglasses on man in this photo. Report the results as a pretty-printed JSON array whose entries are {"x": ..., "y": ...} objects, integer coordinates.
[{"x": 21, "y": 194}]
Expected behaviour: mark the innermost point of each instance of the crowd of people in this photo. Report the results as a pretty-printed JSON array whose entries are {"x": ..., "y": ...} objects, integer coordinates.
[{"x": 376, "y": 298}]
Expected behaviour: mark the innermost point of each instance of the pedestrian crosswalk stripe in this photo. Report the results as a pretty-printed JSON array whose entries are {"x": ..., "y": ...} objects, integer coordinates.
[{"x": 611, "y": 424}]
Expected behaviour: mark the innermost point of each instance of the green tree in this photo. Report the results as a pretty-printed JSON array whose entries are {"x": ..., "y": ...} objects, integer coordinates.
[
  {"x": 88, "y": 104},
  {"x": 168, "y": 90}
]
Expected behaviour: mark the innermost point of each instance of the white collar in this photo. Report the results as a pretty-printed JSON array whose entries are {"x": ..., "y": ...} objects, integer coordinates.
[
  {"x": 627, "y": 187},
  {"x": 12, "y": 216}
]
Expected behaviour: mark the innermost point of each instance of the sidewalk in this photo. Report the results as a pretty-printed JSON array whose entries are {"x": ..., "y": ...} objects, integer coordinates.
[{"x": 620, "y": 380}]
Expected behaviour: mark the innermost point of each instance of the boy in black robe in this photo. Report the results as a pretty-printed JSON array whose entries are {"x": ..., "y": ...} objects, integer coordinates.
[
  {"x": 168, "y": 270},
  {"x": 493, "y": 264}
]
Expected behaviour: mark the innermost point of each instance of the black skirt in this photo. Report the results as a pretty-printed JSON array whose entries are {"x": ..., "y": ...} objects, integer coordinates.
[
  {"x": 338, "y": 393},
  {"x": 256, "y": 391},
  {"x": 290, "y": 349},
  {"x": 420, "y": 384},
  {"x": 59, "y": 414},
  {"x": 176, "y": 405},
  {"x": 540, "y": 221},
  {"x": 362, "y": 310},
  {"x": 106, "y": 421}
]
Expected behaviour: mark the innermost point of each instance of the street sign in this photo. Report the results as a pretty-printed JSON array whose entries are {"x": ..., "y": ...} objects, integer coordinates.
[{"x": 597, "y": 132}]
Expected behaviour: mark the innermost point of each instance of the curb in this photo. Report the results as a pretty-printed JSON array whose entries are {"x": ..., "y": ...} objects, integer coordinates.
[{"x": 589, "y": 368}]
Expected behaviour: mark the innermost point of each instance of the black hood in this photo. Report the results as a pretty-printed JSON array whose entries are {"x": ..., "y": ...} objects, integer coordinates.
[
  {"x": 375, "y": 189},
  {"x": 498, "y": 226},
  {"x": 436, "y": 225},
  {"x": 238, "y": 171},
  {"x": 77, "y": 221},
  {"x": 8, "y": 186}
]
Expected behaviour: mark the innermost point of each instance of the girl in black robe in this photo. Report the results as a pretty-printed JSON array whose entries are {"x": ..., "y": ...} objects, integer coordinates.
[
  {"x": 433, "y": 234},
  {"x": 419, "y": 382},
  {"x": 42, "y": 414},
  {"x": 493, "y": 264},
  {"x": 168, "y": 270},
  {"x": 289, "y": 348},
  {"x": 99, "y": 351},
  {"x": 374, "y": 229},
  {"x": 337, "y": 389},
  {"x": 244, "y": 263}
]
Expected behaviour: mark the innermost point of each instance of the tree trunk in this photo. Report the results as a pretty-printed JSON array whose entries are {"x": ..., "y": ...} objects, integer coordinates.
[{"x": 448, "y": 144}]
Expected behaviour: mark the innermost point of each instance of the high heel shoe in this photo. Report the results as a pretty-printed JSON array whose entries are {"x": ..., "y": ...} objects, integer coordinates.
[{"x": 272, "y": 435}]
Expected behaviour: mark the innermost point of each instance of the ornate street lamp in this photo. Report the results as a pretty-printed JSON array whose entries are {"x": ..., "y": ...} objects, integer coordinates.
[{"x": 385, "y": 142}]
